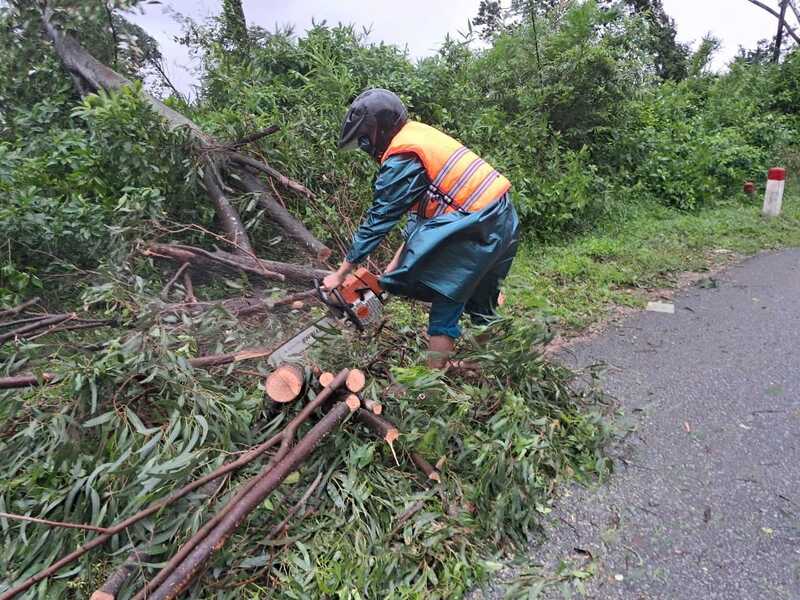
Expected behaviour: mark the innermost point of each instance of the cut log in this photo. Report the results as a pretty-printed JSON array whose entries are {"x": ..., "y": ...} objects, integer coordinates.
[
  {"x": 325, "y": 379},
  {"x": 112, "y": 585},
  {"x": 297, "y": 305},
  {"x": 356, "y": 381},
  {"x": 373, "y": 406},
  {"x": 285, "y": 384},
  {"x": 383, "y": 428},
  {"x": 257, "y": 266},
  {"x": 386, "y": 430},
  {"x": 424, "y": 466}
]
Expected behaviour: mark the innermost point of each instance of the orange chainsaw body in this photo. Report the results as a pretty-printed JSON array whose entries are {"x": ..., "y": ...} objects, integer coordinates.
[{"x": 362, "y": 291}]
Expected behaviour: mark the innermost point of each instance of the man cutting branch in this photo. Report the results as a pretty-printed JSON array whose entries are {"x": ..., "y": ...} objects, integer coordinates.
[{"x": 462, "y": 231}]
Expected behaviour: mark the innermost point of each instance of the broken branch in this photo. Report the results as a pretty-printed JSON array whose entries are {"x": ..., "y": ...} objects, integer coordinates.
[
  {"x": 187, "y": 285},
  {"x": 259, "y": 165},
  {"x": 21, "y": 381},
  {"x": 215, "y": 360},
  {"x": 5, "y": 515},
  {"x": 281, "y": 527},
  {"x": 254, "y": 137},
  {"x": 10, "y": 312},
  {"x": 165, "y": 292},
  {"x": 181, "y": 577},
  {"x": 257, "y": 266},
  {"x": 281, "y": 216},
  {"x": 40, "y": 324}
]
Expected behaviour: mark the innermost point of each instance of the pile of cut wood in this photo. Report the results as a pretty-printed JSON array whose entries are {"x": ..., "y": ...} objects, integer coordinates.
[{"x": 338, "y": 397}]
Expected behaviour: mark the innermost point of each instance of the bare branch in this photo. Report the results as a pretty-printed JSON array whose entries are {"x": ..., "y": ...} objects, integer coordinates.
[
  {"x": 259, "y": 165},
  {"x": 777, "y": 15},
  {"x": 5, "y": 515},
  {"x": 10, "y": 312}
]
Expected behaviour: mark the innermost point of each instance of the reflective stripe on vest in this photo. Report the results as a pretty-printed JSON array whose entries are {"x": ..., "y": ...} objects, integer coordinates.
[{"x": 460, "y": 180}]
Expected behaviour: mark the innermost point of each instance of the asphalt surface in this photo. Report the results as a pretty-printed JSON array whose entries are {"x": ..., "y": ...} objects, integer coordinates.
[{"x": 705, "y": 501}]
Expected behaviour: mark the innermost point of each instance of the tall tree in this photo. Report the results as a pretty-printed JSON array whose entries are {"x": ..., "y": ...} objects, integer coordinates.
[
  {"x": 234, "y": 26},
  {"x": 776, "y": 56},
  {"x": 671, "y": 57}
]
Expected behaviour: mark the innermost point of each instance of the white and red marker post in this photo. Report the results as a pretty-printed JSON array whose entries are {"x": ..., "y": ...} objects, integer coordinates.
[{"x": 773, "y": 197}]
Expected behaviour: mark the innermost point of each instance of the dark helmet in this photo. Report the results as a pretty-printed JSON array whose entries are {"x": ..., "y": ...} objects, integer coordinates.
[{"x": 373, "y": 119}]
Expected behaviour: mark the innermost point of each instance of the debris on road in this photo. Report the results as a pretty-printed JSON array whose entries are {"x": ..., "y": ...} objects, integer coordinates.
[{"x": 661, "y": 307}]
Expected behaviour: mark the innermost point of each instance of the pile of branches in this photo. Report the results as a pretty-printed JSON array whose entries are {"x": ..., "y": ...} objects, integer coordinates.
[
  {"x": 168, "y": 460},
  {"x": 338, "y": 399}
]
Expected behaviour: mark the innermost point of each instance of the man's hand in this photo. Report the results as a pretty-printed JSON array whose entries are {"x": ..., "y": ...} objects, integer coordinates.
[
  {"x": 395, "y": 262},
  {"x": 392, "y": 266},
  {"x": 333, "y": 281}
]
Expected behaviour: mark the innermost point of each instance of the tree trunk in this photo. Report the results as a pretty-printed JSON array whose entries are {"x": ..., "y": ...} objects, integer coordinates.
[
  {"x": 257, "y": 266},
  {"x": 98, "y": 76},
  {"x": 776, "y": 56},
  {"x": 90, "y": 73},
  {"x": 777, "y": 15},
  {"x": 281, "y": 216}
]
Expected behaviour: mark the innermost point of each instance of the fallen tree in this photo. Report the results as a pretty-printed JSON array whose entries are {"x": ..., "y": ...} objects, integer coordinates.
[
  {"x": 267, "y": 269},
  {"x": 217, "y": 159}
]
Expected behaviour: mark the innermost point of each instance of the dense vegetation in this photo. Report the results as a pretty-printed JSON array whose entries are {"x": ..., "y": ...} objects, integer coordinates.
[
  {"x": 591, "y": 108},
  {"x": 571, "y": 105}
]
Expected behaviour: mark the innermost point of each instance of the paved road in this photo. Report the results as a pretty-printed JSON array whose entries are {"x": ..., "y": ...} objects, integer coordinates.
[{"x": 706, "y": 500}]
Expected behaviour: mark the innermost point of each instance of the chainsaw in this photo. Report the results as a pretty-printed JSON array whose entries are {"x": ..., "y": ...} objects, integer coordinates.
[{"x": 357, "y": 303}]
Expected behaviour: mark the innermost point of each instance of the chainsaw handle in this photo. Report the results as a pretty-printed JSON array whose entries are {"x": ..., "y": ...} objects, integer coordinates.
[{"x": 342, "y": 307}]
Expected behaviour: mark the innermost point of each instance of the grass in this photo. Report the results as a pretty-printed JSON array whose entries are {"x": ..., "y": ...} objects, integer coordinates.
[{"x": 579, "y": 280}]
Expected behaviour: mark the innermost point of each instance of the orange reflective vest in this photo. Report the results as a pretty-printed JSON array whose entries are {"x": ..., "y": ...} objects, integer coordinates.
[{"x": 460, "y": 179}]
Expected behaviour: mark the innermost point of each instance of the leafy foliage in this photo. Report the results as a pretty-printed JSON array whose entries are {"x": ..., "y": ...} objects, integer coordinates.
[
  {"x": 591, "y": 108},
  {"x": 78, "y": 191}
]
